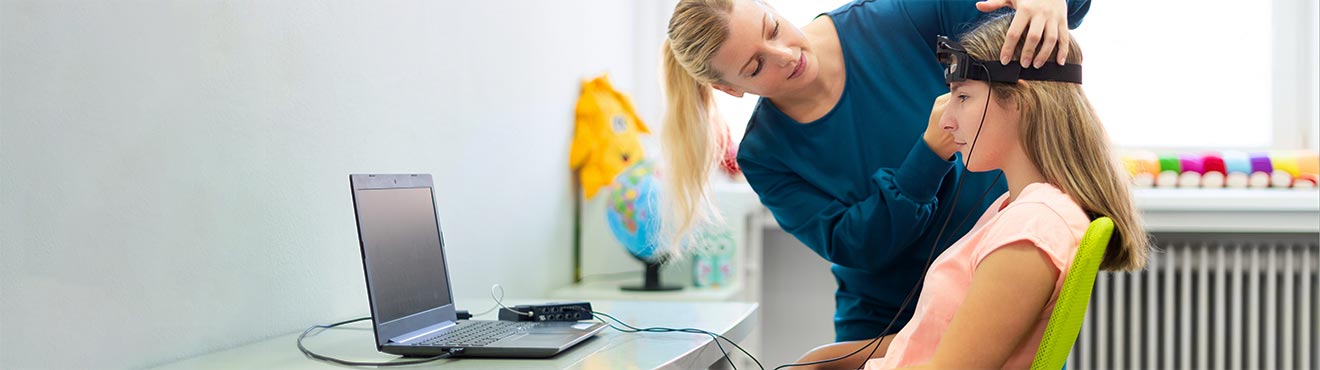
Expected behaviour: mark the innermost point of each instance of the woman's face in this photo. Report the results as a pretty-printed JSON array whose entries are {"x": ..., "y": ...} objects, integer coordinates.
[
  {"x": 764, "y": 54},
  {"x": 998, "y": 135}
]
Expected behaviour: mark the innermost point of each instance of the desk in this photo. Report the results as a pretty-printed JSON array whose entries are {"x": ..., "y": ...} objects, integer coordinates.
[
  {"x": 609, "y": 290},
  {"x": 610, "y": 349}
]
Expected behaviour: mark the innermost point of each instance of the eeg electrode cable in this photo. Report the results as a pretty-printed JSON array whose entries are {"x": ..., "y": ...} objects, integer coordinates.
[{"x": 930, "y": 256}]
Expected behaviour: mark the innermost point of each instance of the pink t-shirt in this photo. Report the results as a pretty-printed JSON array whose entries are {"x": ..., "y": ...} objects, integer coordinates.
[{"x": 1042, "y": 215}]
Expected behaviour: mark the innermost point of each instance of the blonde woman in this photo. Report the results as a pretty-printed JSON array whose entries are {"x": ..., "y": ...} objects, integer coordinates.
[
  {"x": 841, "y": 147},
  {"x": 988, "y": 297}
]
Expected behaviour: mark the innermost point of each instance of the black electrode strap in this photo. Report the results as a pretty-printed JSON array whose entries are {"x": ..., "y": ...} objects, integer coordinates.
[
  {"x": 960, "y": 66},
  {"x": 1013, "y": 72}
]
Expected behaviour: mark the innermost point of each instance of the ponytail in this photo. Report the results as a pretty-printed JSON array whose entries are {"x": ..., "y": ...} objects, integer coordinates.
[
  {"x": 690, "y": 141},
  {"x": 690, "y": 131}
]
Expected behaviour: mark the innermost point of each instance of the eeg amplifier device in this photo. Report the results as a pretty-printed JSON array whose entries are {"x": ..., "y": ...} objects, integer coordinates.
[{"x": 563, "y": 311}]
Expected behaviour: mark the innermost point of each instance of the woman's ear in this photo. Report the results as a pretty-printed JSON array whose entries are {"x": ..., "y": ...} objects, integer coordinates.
[{"x": 727, "y": 89}]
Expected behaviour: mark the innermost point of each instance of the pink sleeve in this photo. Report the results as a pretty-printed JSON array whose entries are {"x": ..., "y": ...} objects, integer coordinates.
[{"x": 1035, "y": 223}]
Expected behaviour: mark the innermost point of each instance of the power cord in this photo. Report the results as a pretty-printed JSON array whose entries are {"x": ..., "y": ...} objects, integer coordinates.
[
  {"x": 713, "y": 336},
  {"x": 957, "y": 192},
  {"x": 448, "y": 354},
  {"x": 316, "y": 356},
  {"x": 499, "y": 303}
]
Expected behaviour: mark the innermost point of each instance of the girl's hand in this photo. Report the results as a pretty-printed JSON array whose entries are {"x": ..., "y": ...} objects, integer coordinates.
[{"x": 1045, "y": 23}]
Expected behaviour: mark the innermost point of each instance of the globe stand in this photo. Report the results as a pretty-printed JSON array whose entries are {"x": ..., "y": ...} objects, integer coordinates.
[{"x": 651, "y": 281}]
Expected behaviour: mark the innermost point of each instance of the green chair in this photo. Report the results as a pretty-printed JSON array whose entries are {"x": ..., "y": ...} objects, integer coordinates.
[{"x": 1070, "y": 309}]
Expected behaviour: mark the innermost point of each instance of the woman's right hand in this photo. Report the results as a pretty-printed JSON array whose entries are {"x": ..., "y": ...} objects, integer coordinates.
[
  {"x": 939, "y": 140},
  {"x": 1037, "y": 21}
]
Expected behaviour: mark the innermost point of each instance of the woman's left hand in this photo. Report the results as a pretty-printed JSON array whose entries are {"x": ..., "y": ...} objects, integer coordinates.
[{"x": 1043, "y": 23}]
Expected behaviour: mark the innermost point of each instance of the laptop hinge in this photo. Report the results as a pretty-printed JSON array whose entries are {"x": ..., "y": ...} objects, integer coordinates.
[{"x": 409, "y": 337}]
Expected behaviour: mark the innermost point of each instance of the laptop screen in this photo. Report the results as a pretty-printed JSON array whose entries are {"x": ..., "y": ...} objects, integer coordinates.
[{"x": 401, "y": 243}]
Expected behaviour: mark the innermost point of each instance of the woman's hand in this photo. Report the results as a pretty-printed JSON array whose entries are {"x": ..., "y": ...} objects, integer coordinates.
[
  {"x": 1044, "y": 23},
  {"x": 939, "y": 140}
]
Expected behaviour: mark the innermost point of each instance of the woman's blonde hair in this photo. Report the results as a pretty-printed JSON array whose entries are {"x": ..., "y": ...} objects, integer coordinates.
[
  {"x": 690, "y": 134},
  {"x": 1064, "y": 138}
]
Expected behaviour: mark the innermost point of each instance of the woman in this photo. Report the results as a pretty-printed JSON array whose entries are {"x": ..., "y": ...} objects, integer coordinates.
[
  {"x": 841, "y": 147},
  {"x": 989, "y": 297}
]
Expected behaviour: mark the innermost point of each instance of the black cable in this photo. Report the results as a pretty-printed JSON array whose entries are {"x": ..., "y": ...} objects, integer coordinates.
[
  {"x": 664, "y": 330},
  {"x": 906, "y": 299},
  {"x": 714, "y": 336},
  {"x": 314, "y": 355},
  {"x": 957, "y": 192}
]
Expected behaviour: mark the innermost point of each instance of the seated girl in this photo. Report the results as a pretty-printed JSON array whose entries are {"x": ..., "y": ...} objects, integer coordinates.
[{"x": 987, "y": 299}]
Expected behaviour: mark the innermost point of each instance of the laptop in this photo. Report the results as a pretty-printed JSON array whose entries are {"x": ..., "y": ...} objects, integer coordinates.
[{"x": 412, "y": 304}]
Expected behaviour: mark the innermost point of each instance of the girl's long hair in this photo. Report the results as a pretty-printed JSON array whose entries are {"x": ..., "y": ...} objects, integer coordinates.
[{"x": 1064, "y": 138}]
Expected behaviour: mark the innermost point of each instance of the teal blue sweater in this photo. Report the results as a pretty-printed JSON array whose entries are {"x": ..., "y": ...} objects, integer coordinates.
[{"x": 859, "y": 186}]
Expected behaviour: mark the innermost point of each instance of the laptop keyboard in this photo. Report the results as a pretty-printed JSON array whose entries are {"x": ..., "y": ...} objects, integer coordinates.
[{"x": 476, "y": 333}]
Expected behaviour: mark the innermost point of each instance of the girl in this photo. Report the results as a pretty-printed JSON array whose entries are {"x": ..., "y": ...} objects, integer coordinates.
[{"x": 988, "y": 298}]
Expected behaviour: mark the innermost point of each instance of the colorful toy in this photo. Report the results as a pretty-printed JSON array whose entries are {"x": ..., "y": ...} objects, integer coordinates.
[
  {"x": 1143, "y": 166},
  {"x": 1170, "y": 169},
  {"x": 1295, "y": 169},
  {"x": 1191, "y": 171},
  {"x": 1214, "y": 172},
  {"x": 1260, "y": 171},
  {"x": 1305, "y": 182},
  {"x": 1238, "y": 167},
  {"x": 606, "y": 138},
  {"x": 1308, "y": 163},
  {"x": 712, "y": 263}
]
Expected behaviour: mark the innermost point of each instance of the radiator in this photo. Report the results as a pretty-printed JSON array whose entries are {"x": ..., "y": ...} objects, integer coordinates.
[{"x": 1208, "y": 301}]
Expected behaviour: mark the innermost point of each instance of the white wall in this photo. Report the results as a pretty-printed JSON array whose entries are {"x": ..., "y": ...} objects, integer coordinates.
[
  {"x": 797, "y": 298},
  {"x": 174, "y": 174}
]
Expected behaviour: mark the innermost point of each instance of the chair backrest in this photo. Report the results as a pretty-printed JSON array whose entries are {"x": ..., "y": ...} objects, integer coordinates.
[{"x": 1070, "y": 309}]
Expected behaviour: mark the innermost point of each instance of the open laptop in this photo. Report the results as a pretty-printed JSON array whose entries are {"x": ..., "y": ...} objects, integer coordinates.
[{"x": 412, "y": 305}]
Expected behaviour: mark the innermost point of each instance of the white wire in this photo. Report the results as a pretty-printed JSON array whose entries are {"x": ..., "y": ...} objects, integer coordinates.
[{"x": 499, "y": 303}]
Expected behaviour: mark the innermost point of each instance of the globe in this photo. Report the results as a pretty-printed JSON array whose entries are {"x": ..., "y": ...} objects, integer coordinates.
[
  {"x": 631, "y": 210},
  {"x": 634, "y": 219}
]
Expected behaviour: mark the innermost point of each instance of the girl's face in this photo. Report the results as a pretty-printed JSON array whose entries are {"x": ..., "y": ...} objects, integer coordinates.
[
  {"x": 764, "y": 54},
  {"x": 998, "y": 140}
]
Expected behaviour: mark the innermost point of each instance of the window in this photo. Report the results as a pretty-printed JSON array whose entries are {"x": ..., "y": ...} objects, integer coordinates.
[
  {"x": 1177, "y": 75},
  {"x": 1314, "y": 68}
]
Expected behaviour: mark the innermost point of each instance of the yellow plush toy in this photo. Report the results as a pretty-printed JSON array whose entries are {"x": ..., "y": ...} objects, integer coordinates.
[{"x": 605, "y": 141}]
